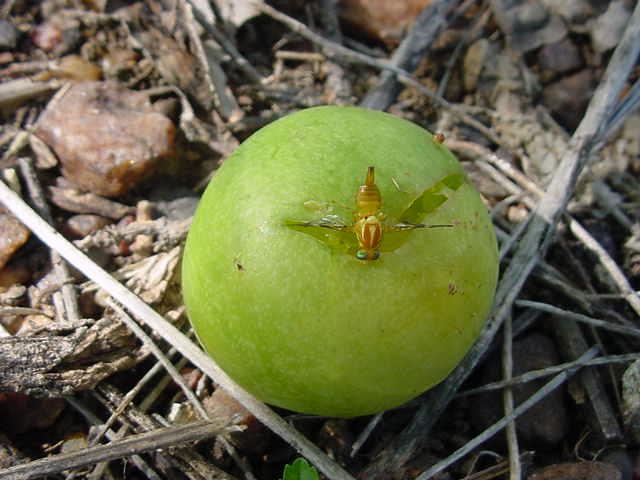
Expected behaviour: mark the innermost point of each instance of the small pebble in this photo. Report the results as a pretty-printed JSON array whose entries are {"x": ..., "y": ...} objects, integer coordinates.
[
  {"x": 532, "y": 15},
  {"x": 578, "y": 471},
  {"x": 620, "y": 458},
  {"x": 79, "y": 226},
  {"x": 474, "y": 60},
  {"x": 382, "y": 19},
  {"x": 12, "y": 236},
  {"x": 254, "y": 438},
  {"x": 568, "y": 98},
  {"x": 560, "y": 57},
  {"x": 108, "y": 138},
  {"x": 545, "y": 424},
  {"x": 8, "y": 35}
]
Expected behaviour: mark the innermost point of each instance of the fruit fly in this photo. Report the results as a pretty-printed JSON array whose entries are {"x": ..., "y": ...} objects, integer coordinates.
[{"x": 368, "y": 224}]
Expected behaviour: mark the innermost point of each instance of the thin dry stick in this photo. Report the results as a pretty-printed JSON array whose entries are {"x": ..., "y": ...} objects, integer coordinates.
[
  {"x": 578, "y": 317},
  {"x": 144, "y": 442},
  {"x": 364, "y": 435},
  {"x": 137, "y": 460},
  {"x": 534, "y": 243},
  {"x": 515, "y": 470},
  {"x": 214, "y": 76},
  {"x": 204, "y": 14},
  {"x": 496, "y": 427},
  {"x": 614, "y": 271},
  {"x": 545, "y": 372},
  {"x": 161, "y": 357},
  {"x": 424, "y": 31},
  {"x": 69, "y": 299},
  {"x": 618, "y": 276},
  {"x": 169, "y": 333}
]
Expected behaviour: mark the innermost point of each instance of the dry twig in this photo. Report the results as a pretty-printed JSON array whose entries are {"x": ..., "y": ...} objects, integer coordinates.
[{"x": 144, "y": 442}]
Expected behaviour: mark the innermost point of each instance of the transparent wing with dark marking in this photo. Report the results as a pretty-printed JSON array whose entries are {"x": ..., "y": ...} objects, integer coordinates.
[
  {"x": 405, "y": 226},
  {"x": 333, "y": 222}
]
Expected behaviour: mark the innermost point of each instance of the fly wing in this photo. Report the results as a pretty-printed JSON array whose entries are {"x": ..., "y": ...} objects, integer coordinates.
[
  {"x": 404, "y": 226},
  {"x": 332, "y": 222}
]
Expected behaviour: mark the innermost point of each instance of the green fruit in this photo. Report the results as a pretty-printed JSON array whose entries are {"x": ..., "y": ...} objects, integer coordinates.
[{"x": 290, "y": 313}]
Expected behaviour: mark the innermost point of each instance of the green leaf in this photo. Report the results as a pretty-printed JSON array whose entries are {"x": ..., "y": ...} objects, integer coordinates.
[{"x": 300, "y": 470}]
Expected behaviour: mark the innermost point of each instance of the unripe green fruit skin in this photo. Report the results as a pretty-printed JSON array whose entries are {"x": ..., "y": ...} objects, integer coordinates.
[{"x": 309, "y": 327}]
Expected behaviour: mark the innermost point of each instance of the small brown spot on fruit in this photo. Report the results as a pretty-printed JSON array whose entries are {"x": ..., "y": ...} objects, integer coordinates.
[
  {"x": 453, "y": 288},
  {"x": 238, "y": 265}
]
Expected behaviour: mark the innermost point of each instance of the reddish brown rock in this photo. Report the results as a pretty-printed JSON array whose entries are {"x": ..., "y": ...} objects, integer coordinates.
[
  {"x": 578, "y": 471},
  {"x": 381, "y": 19},
  {"x": 20, "y": 413},
  {"x": 254, "y": 438},
  {"x": 108, "y": 138},
  {"x": 12, "y": 236}
]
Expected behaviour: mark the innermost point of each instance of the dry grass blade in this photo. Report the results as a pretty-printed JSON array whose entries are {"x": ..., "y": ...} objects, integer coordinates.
[
  {"x": 545, "y": 372},
  {"x": 168, "y": 332},
  {"x": 515, "y": 469},
  {"x": 594, "y": 322},
  {"x": 144, "y": 442},
  {"x": 496, "y": 427}
]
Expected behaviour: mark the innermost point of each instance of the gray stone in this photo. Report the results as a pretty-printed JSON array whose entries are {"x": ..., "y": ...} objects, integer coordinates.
[
  {"x": 545, "y": 424},
  {"x": 608, "y": 28},
  {"x": 8, "y": 35},
  {"x": 567, "y": 99},
  {"x": 560, "y": 57}
]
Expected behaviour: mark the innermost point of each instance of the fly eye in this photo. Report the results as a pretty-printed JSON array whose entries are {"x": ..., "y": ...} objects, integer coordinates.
[
  {"x": 367, "y": 254},
  {"x": 362, "y": 255}
]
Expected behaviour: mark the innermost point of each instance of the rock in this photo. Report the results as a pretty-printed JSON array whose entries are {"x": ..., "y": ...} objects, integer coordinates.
[
  {"x": 545, "y": 424},
  {"x": 8, "y": 35},
  {"x": 568, "y": 98},
  {"x": 474, "y": 60},
  {"x": 336, "y": 439},
  {"x": 608, "y": 28},
  {"x": 60, "y": 34},
  {"x": 13, "y": 274},
  {"x": 528, "y": 24},
  {"x": 108, "y": 138},
  {"x": 12, "y": 236},
  {"x": 381, "y": 19},
  {"x": 560, "y": 57},
  {"x": 46, "y": 36},
  {"x": 578, "y": 471},
  {"x": 574, "y": 12},
  {"x": 254, "y": 438},
  {"x": 620, "y": 458},
  {"x": 79, "y": 226},
  {"x": 20, "y": 413},
  {"x": 631, "y": 400},
  {"x": 176, "y": 203},
  {"x": 532, "y": 15}
]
